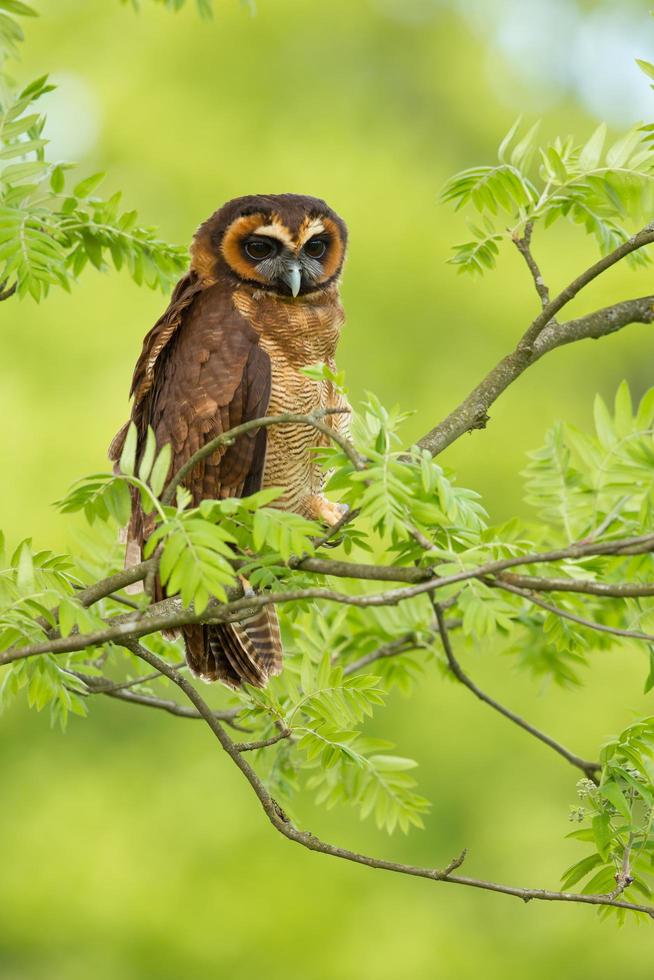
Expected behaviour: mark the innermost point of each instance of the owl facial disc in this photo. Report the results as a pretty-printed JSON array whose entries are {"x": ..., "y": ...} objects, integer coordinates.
[{"x": 288, "y": 244}]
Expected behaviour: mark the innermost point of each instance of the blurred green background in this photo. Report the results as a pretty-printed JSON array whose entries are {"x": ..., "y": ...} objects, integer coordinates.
[{"x": 129, "y": 847}]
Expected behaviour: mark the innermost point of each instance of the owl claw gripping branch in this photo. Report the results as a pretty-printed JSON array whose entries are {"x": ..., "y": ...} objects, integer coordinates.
[{"x": 259, "y": 303}]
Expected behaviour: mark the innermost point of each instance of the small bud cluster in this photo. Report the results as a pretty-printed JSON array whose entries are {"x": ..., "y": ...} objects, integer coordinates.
[{"x": 585, "y": 788}]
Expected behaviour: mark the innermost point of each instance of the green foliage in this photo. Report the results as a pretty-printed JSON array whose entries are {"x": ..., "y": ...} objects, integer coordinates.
[
  {"x": 410, "y": 509},
  {"x": 11, "y": 31},
  {"x": 618, "y": 813},
  {"x": 413, "y": 513},
  {"x": 323, "y": 709},
  {"x": 593, "y": 185},
  {"x": 396, "y": 493},
  {"x": 49, "y": 231},
  {"x": 196, "y": 544},
  {"x": 579, "y": 482},
  {"x": 322, "y": 372},
  {"x": 36, "y": 596}
]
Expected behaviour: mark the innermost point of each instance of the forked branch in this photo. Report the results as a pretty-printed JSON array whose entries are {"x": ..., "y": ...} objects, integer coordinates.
[
  {"x": 543, "y": 335},
  {"x": 283, "y": 825}
]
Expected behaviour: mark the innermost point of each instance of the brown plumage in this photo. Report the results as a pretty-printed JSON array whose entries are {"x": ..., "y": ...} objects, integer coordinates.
[{"x": 260, "y": 302}]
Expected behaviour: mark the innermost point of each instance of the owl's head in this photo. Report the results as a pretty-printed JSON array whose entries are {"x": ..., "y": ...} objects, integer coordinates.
[{"x": 284, "y": 243}]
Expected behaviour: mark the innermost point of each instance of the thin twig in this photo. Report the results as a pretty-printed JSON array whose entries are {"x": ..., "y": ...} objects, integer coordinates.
[
  {"x": 371, "y": 573},
  {"x": 329, "y": 535},
  {"x": 263, "y": 743},
  {"x": 288, "y": 418},
  {"x": 605, "y": 524},
  {"x": 124, "y": 601},
  {"x": 588, "y": 768},
  {"x": 523, "y": 244},
  {"x": 7, "y": 291},
  {"x": 391, "y": 649},
  {"x": 499, "y": 583},
  {"x": 171, "y": 707},
  {"x": 102, "y": 686}
]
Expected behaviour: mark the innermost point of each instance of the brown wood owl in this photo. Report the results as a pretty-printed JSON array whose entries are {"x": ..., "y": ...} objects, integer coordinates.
[{"x": 259, "y": 302}]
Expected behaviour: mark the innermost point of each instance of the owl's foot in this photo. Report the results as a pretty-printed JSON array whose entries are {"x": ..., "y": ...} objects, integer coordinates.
[
  {"x": 321, "y": 509},
  {"x": 247, "y": 588}
]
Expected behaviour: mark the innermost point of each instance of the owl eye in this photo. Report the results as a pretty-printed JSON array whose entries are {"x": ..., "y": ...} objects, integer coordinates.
[
  {"x": 315, "y": 248},
  {"x": 259, "y": 248}
]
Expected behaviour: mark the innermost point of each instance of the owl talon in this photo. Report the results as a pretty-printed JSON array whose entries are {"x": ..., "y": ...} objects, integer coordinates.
[
  {"x": 247, "y": 588},
  {"x": 327, "y": 511}
]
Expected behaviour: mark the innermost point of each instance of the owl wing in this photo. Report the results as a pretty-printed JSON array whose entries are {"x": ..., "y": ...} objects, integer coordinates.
[{"x": 202, "y": 372}]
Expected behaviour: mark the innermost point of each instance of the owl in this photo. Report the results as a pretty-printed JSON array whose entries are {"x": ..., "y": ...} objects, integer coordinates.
[{"x": 259, "y": 303}]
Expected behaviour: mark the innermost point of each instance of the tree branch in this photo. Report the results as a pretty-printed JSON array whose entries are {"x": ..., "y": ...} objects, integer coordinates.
[
  {"x": 363, "y": 571},
  {"x": 600, "y": 323},
  {"x": 283, "y": 825},
  {"x": 391, "y": 649},
  {"x": 472, "y": 413},
  {"x": 100, "y": 686},
  {"x": 624, "y": 590},
  {"x": 113, "y": 583},
  {"x": 170, "y": 614},
  {"x": 643, "y": 237},
  {"x": 588, "y": 768}
]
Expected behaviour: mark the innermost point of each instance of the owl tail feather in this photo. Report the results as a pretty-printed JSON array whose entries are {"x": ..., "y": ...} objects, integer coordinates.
[{"x": 247, "y": 652}]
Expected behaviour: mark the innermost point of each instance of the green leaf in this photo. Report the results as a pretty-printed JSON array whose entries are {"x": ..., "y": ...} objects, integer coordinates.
[
  {"x": 25, "y": 568},
  {"x": 618, "y": 155},
  {"x": 603, "y": 423},
  {"x": 67, "y": 616},
  {"x": 523, "y": 151},
  {"x": 579, "y": 870},
  {"x": 591, "y": 153},
  {"x": 147, "y": 459},
  {"x": 602, "y": 832},
  {"x": 504, "y": 145},
  {"x": 623, "y": 410},
  {"x": 127, "y": 462},
  {"x": 118, "y": 502},
  {"x": 612, "y": 792},
  {"x": 645, "y": 66},
  {"x": 57, "y": 179},
  {"x": 87, "y": 186},
  {"x": 17, "y": 7},
  {"x": 392, "y": 763},
  {"x": 649, "y": 682},
  {"x": 159, "y": 473}
]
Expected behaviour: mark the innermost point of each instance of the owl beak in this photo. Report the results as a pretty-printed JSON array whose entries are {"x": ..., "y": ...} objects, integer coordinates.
[{"x": 292, "y": 276}]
